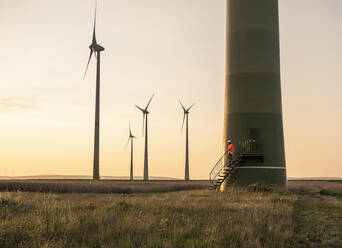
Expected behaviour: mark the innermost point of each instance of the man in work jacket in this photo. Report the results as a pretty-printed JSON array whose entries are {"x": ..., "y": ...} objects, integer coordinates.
[{"x": 231, "y": 150}]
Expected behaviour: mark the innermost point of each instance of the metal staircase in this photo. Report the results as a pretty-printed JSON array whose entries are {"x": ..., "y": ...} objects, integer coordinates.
[
  {"x": 247, "y": 149},
  {"x": 223, "y": 170}
]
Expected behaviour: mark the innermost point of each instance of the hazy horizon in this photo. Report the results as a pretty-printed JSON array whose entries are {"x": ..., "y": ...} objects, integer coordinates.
[{"x": 175, "y": 49}]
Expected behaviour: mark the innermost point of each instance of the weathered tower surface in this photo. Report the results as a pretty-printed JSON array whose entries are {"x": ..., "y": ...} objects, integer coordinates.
[{"x": 253, "y": 109}]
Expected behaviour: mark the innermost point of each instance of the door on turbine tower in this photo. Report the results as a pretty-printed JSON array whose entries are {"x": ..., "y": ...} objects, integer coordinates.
[
  {"x": 254, "y": 140},
  {"x": 251, "y": 148}
]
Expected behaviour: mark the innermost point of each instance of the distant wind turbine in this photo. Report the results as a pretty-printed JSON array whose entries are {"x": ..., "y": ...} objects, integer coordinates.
[
  {"x": 186, "y": 119},
  {"x": 145, "y": 128},
  {"x": 96, "y": 49},
  {"x": 131, "y": 138}
]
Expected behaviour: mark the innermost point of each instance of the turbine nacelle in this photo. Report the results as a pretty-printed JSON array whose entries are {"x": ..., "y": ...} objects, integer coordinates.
[
  {"x": 96, "y": 48},
  {"x": 131, "y": 136},
  {"x": 145, "y": 111},
  {"x": 186, "y": 111}
]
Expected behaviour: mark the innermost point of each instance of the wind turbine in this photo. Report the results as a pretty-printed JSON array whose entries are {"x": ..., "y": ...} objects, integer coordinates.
[
  {"x": 145, "y": 128},
  {"x": 186, "y": 118},
  {"x": 96, "y": 49},
  {"x": 131, "y": 138}
]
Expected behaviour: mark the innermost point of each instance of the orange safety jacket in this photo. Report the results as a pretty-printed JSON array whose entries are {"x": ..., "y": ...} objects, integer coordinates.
[{"x": 231, "y": 149}]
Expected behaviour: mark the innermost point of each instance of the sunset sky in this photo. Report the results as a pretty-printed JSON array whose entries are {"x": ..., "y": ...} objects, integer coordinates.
[{"x": 173, "y": 48}]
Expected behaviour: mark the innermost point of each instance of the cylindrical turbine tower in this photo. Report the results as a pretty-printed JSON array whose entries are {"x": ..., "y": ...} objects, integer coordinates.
[{"x": 253, "y": 109}]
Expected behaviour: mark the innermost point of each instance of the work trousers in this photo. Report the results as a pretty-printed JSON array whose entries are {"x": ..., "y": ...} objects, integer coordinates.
[{"x": 230, "y": 158}]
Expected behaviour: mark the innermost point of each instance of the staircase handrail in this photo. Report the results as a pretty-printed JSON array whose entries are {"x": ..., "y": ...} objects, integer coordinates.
[
  {"x": 217, "y": 169},
  {"x": 232, "y": 166}
]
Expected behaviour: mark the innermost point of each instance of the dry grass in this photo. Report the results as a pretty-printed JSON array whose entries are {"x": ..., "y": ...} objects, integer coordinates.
[
  {"x": 199, "y": 218},
  {"x": 318, "y": 222},
  {"x": 237, "y": 218},
  {"x": 103, "y": 187},
  {"x": 314, "y": 186},
  {"x": 127, "y": 187}
]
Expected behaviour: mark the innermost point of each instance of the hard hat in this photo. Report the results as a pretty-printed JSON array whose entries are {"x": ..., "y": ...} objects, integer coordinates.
[{"x": 229, "y": 141}]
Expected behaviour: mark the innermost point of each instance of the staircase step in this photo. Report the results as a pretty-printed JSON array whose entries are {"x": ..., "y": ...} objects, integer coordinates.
[{"x": 225, "y": 172}]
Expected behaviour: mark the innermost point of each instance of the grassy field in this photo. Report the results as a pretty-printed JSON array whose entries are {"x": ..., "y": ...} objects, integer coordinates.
[
  {"x": 103, "y": 186},
  {"x": 305, "y": 217}
]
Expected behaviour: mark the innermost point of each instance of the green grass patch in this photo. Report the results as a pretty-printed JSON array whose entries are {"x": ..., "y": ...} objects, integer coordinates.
[
  {"x": 330, "y": 192},
  {"x": 335, "y": 181},
  {"x": 317, "y": 222}
]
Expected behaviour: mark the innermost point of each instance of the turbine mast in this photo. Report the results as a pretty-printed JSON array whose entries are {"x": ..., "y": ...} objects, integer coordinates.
[
  {"x": 145, "y": 122},
  {"x": 186, "y": 120},
  {"x": 96, "y": 49},
  {"x": 96, "y": 169},
  {"x": 146, "y": 150},
  {"x": 253, "y": 102},
  {"x": 131, "y": 172},
  {"x": 187, "y": 177}
]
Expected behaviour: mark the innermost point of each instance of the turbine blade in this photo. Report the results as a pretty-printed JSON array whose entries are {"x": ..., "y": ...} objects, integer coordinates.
[
  {"x": 139, "y": 108},
  {"x": 94, "y": 30},
  {"x": 91, "y": 53},
  {"x": 149, "y": 102},
  {"x": 182, "y": 105},
  {"x": 130, "y": 132},
  {"x": 127, "y": 142},
  {"x": 183, "y": 122},
  {"x": 191, "y": 106}
]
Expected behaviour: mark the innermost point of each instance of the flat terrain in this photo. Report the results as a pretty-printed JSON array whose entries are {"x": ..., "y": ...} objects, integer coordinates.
[
  {"x": 313, "y": 186},
  {"x": 308, "y": 215},
  {"x": 127, "y": 187},
  {"x": 103, "y": 186}
]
